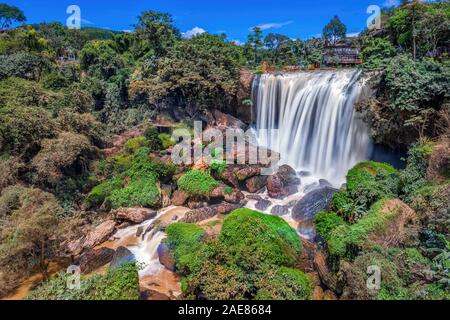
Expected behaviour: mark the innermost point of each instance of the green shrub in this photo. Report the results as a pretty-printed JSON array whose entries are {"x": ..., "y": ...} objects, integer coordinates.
[
  {"x": 140, "y": 192},
  {"x": 413, "y": 177},
  {"x": 152, "y": 136},
  {"x": 132, "y": 145},
  {"x": 102, "y": 191},
  {"x": 121, "y": 283},
  {"x": 370, "y": 181},
  {"x": 166, "y": 140},
  {"x": 254, "y": 236},
  {"x": 346, "y": 240},
  {"x": 282, "y": 283},
  {"x": 218, "y": 166},
  {"x": 326, "y": 222},
  {"x": 185, "y": 241},
  {"x": 228, "y": 190},
  {"x": 197, "y": 183}
]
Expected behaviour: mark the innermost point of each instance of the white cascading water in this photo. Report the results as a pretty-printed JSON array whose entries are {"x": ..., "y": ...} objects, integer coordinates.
[{"x": 319, "y": 130}]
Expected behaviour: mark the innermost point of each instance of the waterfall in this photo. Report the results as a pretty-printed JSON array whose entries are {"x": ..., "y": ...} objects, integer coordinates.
[{"x": 318, "y": 129}]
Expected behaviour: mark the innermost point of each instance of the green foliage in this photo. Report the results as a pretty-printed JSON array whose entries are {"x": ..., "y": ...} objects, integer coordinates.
[
  {"x": 23, "y": 65},
  {"x": 121, "y": 283},
  {"x": 134, "y": 144},
  {"x": 370, "y": 181},
  {"x": 102, "y": 191},
  {"x": 377, "y": 53},
  {"x": 22, "y": 129},
  {"x": 141, "y": 192},
  {"x": 326, "y": 222},
  {"x": 10, "y": 14},
  {"x": 413, "y": 178},
  {"x": 197, "y": 183},
  {"x": 185, "y": 241},
  {"x": 282, "y": 283},
  {"x": 152, "y": 136},
  {"x": 346, "y": 240},
  {"x": 251, "y": 259},
  {"x": 334, "y": 31},
  {"x": 100, "y": 60},
  {"x": 166, "y": 140},
  {"x": 273, "y": 240},
  {"x": 413, "y": 84}
]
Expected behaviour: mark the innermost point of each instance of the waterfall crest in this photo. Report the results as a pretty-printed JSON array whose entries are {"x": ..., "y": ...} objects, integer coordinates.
[{"x": 319, "y": 130}]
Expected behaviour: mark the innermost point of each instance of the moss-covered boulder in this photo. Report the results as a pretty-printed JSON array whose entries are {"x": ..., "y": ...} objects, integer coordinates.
[
  {"x": 386, "y": 224},
  {"x": 197, "y": 183},
  {"x": 269, "y": 238}
]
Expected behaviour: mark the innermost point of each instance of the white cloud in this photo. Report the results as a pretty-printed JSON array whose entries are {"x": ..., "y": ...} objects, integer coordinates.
[
  {"x": 352, "y": 34},
  {"x": 193, "y": 32},
  {"x": 272, "y": 25},
  {"x": 86, "y": 21}
]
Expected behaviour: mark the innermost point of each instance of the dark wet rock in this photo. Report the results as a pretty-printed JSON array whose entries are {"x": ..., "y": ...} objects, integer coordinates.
[
  {"x": 288, "y": 175},
  {"x": 275, "y": 187},
  {"x": 94, "y": 259},
  {"x": 224, "y": 121},
  {"x": 202, "y": 214},
  {"x": 194, "y": 204},
  {"x": 174, "y": 218},
  {"x": 306, "y": 259},
  {"x": 228, "y": 177},
  {"x": 165, "y": 257},
  {"x": 254, "y": 184},
  {"x": 253, "y": 197},
  {"x": 166, "y": 193},
  {"x": 247, "y": 172},
  {"x": 234, "y": 197},
  {"x": 310, "y": 187},
  {"x": 139, "y": 231},
  {"x": 280, "y": 210},
  {"x": 324, "y": 183},
  {"x": 179, "y": 198},
  {"x": 122, "y": 256},
  {"x": 134, "y": 215},
  {"x": 313, "y": 202},
  {"x": 263, "y": 204}
]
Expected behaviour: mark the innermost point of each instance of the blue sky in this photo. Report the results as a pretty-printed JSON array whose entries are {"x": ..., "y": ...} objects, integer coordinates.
[{"x": 297, "y": 19}]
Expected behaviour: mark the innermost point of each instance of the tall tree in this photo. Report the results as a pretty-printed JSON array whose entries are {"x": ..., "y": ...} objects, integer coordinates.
[
  {"x": 277, "y": 43},
  {"x": 334, "y": 31},
  {"x": 158, "y": 30},
  {"x": 10, "y": 14},
  {"x": 255, "y": 42}
]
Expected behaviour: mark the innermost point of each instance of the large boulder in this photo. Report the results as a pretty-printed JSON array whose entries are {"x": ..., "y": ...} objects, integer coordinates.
[
  {"x": 165, "y": 257},
  {"x": 280, "y": 210},
  {"x": 202, "y": 214},
  {"x": 247, "y": 172},
  {"x": 94, "y": 259},
  {"x": 122, "y": 256},
  {"x": 313, "y": 202},
  {"x": 254, "y": 184},
  {"x": 283, "y": 183},
  {"x": 134, "y": 215},
  {"x": 263, "y": 204},
  {"x": 179, "y": 198},
  {"x": 100, "y": 234}
]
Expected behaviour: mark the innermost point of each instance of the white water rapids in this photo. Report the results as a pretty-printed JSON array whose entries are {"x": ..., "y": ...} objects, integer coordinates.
[{"x": 309, "y": 118}]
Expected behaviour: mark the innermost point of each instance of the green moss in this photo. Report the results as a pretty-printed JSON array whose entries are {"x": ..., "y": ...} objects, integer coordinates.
[
  {"x": 344, "y": 239},
  {"x": 141, "y": 192},
  {"x": 197, "y": 183},
  {"x": 364, "y": 172},
  {"x": 341, "y": 200},
  {"x": 265, "y": 238},
  {"x": 185, "y": 242},
  {"x": 282, "y": 283},
  {"x": 326, "y": 222},
  {"x": 153, "y": 140},
  {"x": 228, "y": 190},
  {"x": 166, "y": 140},
  {"x": 101, "y": 192},
  {"x": 117, "y": 284},
  {"x": 132, "y": 145}
]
